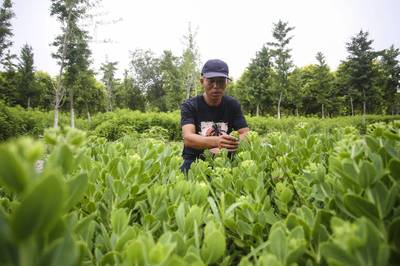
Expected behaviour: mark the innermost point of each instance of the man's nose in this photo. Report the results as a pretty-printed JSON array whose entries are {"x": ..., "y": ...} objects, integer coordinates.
[{"x": 217, "y": 84}]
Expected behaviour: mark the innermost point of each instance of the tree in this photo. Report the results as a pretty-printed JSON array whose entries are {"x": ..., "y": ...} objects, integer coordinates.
[
  {"x": 109, "y": 69},
  {"x": 147, "y": 77},
  {"x": 296, "y": 89},
  {"x": 8, "y": 87},
  {"x": 8, "y": 79},
  {"x": 391, "y": 79},
  {"x": 77, "y": 65},
  {"x": 171, "y": 81},
  {"x": 6, "y": 14},
  {"x": 241, "y": 91},
  {"x": 322, "y": 84},
  {"x": 190, "y": 64},
  {"x": 344, "y": 88},
  {"x": 26, "y": 76},
  {"x": 73, "y": 52},
  {"x": 92, "y": 95},
  {"x": 282, "y": 59},
  {"x": 360, "y": 67},
  {"x": 259, "y": 77},
  {"x": 45, "y": 88},
  {"x": 135, "y": 100}
]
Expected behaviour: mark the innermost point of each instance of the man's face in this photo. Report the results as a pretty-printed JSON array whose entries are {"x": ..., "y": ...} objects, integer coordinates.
[{"x": 214, "y": 87}]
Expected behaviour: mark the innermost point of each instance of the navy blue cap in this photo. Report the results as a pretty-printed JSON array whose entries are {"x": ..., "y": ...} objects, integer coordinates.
[{"x": 215, "y": 68}]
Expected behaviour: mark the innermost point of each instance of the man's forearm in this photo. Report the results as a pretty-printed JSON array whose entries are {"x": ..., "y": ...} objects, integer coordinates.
[
  {"x": 243, "y": 132},
  {"x": 200, "y": 142}
]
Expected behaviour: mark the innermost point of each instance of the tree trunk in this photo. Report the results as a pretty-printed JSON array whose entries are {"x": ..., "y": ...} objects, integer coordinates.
[
  {"x": 351, "y": 106},
  {"x": 364, "y": 103},
  {"x": 279, "y": 105},
  {"x": 58, "y": 88},
  {"x": 110, "y": 94},
  {"x": 55, "y": 117},
  {"x": 89, "y": 117},
  {"x": 71, "y": 105},
  {"x": 364, "y": 108},
  {"x": 188, "y": 87},
  {"x": 258, "y": 110},
  {"x": 322, "y": 111},
  {"x": 297, "y": 111},
  {"x": 29, "y": 102}
]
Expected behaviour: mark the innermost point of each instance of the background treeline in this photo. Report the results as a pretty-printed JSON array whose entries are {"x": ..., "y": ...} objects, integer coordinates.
[{"x": 366, "y": 81}]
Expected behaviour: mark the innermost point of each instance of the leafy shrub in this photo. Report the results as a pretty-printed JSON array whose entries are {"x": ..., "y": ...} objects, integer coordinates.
[{"x": 17, "y": 121}]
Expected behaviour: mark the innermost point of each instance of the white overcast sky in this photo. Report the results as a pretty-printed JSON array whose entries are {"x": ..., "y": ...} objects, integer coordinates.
[{"x": 232, "y": 30}]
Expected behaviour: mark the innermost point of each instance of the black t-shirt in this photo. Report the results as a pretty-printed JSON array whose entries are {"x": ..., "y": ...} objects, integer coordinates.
[{"x": 210, "y": 120}]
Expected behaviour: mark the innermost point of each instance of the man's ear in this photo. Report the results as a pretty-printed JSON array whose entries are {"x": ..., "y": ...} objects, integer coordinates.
[{"x": 201, "y": 80}]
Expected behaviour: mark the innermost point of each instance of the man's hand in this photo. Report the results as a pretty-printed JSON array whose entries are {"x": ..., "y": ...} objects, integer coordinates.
[{"x": 227, "y": 142}]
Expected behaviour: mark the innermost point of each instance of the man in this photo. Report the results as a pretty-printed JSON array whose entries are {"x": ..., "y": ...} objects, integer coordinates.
[{"x": 208, "y": 119}]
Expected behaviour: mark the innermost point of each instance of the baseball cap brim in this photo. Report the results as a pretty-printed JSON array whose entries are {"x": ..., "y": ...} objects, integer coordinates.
[{"x": 215, "y": 75}]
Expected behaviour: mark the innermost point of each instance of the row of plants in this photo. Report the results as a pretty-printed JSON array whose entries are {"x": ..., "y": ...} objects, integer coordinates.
[
  {"x": 16, "y": 121},
  {"x": 301, "y": 198}
]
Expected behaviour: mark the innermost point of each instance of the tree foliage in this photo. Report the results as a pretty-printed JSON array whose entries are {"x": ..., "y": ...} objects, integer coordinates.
[
  {"x": 282, "y": 60},
  {"x": 6, "y": 14}
]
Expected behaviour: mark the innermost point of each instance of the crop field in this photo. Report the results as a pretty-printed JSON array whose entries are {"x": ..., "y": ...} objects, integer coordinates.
[{"x": 308, "y": 197}]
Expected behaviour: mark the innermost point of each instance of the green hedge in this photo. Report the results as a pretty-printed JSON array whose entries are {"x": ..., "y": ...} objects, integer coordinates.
[
  {"x": 17, "y": 121},
  {"x": 114, "y": 125},
  {"x": 264, "y": 125}
]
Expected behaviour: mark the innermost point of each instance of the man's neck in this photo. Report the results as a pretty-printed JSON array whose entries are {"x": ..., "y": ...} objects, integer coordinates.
[{"x": 211, "y": 102}]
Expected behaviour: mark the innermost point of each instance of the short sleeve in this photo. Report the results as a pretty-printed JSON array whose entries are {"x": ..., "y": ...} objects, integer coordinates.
[
  {"x": 187, "y": 113},
  {"x": 238, "y": 118}
]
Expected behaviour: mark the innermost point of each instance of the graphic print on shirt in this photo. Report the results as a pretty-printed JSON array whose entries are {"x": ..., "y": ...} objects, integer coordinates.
[{"x": 210, "y": 128}]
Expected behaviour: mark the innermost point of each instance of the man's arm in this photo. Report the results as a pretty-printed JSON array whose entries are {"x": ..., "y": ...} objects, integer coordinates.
[
  {"x": 193, "y": 140},
  {"x": 243, "y": 132}
]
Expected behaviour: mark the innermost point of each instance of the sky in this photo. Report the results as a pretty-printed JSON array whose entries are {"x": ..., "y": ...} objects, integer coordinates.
[{"x": 231, "y": 30}]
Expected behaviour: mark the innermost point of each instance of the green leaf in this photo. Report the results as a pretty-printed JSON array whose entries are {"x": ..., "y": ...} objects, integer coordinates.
[
  {"x": 278, "y": 244},
  {"x": 379, "y": 195},
  {"x": 193, "y": 216},
  {"x": 119, "y": 221},
  {"x": 394, "y": 233},
  {"x": 83, "y": 223},
  {"x": 214, "y": 244},
  {"x": 372, "y": 143},
  {"x": 129, "y": 234},
  {"x": 174, "y": 260},
  {"x": 360, "y": 207},
  {"x": 63, "y": 158},
  {"x": 40, "y": 208},
  {"x": 62, "y": 252},
  {"x": 367, "y": 174},
  {"x": 5, "y": 229},
  {"x": 13, "y": 173},
  {"x": 157, "y": 254},
  {"x": 214, "y": 208},
  {"x": 376, "y": 249},
  {"x": 296, "y": 245},
  {"x": 391, "y": 199},
  {"x": 349, "y": 173},
  {"x": 394, "y": 167},
  {"x": 76, "y": 189},
  {"x": 335, "y": 255},
  {"x": 180, "y": 216},
  {"x": 135, "y": 253},
  {"x": 244, "y": 228}
]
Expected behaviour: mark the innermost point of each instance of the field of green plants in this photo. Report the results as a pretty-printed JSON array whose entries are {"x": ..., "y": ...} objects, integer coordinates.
[{"x": 305, "y": 197}]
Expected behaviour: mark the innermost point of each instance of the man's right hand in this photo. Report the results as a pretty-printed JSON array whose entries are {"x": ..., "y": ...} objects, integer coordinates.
[{"x": 227, "y": 142}]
